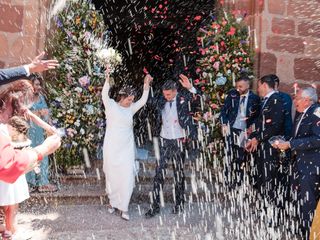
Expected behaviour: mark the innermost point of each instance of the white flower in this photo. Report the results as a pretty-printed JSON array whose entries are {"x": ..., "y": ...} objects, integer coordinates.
[
  {"x": 77, "y": 123},
  {"x": 109, "y": 56},
  {"x": 78, "y": 89},
  {"x": 82, "y": 131}
]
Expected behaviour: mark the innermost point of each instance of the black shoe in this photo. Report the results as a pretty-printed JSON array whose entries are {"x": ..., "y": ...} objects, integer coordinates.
[
  {"x": 177, "y": 209},
  {"x": 152, "y": 212}
]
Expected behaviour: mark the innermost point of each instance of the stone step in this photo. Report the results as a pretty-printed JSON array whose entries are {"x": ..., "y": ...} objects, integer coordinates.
[
  {"x": 149, "y": 163},
  {"x": 144, "y": 176},
  {"x": 95, "y": 194}
]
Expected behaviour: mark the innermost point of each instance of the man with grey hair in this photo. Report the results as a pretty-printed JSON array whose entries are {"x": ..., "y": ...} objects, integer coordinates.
[{"x": 305, "y": 148}]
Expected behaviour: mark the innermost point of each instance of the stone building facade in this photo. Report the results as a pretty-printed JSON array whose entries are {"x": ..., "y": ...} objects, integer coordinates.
[
  {"x": 285, "y": 35},
  {"x": 23, "y": 26}
]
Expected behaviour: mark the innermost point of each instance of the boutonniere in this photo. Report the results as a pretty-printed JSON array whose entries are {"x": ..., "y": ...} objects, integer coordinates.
[{"x": 181, "y": 100}]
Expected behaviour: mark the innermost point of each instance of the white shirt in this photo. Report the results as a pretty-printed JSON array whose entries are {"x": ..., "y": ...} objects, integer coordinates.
[
  {"x": 267, "y": 98},
  {"x": 240, "y": 122},
  {"x": 302, "y": 116},
  {"x": 171, "y": 128}
]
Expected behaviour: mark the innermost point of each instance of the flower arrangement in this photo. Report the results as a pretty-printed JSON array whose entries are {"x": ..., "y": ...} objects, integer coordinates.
[
  {"x": 109, "y": 56},
  {"x": 80, "y": 42},
  {"x": 225, "y": 54}
]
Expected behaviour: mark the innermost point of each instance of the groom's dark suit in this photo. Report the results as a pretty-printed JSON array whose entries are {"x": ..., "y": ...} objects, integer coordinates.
[
  {"x": 11, "y": 74},
  {"x": 174, "y": 148}
]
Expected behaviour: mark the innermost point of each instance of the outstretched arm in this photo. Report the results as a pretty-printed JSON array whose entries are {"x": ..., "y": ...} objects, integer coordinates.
[
  {"x": 37, "y": 65},
  {"x": 142, "y": 101},
  {"x": 107, "y": 101},
  {"x": 37, "y": 120}
]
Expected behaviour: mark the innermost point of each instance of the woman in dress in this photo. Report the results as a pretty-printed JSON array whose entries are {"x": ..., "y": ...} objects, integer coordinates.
[
  {"x": 118, "y": 147},
  {"x": 39, "y": 181}
]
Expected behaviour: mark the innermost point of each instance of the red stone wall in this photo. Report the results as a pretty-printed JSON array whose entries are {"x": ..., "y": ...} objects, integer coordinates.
[
  {"x": 22, "y": 30},
  {"x": 289, "y": 41},
  {"x": 287, "y": 38}
]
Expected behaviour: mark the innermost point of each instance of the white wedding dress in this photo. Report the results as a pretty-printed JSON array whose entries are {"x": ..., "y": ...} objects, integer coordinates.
[{"x": 119, "y": 149}]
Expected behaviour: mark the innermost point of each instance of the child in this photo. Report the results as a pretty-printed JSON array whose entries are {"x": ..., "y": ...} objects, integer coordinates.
[{"x": 13, "y": 194}]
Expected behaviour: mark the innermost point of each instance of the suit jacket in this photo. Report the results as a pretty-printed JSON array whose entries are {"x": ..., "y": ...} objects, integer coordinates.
[
  {"x": 11, "y": 74},
  {"x": 229, "y": 110},
  {"x": 287, "y": 106},
  {"x": 306, "y": 144},
  {"x": 270, "y": 122},
  {"x": 185, "y": 114}
]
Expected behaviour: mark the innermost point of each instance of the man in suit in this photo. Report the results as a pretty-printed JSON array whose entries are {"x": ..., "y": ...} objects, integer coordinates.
[
  {"x": 305, "y": 148},
  {"x": 239, "y": 112},
  {"x": 37, "y": 65},
  {"x": 175, "y": 126},
  {"x": 269, "y": 123},
  {"x": 287, "y": 105}
]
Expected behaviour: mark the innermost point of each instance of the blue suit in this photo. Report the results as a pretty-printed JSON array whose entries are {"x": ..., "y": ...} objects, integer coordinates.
[
  {"x": 11, "y": 74},
  {"x": 184, "y": 101},
  {"x": 287, "y": 105},
  {"x": 229, "y": 110},
  {"x": 236, "y": 154},
  {"x": 305, "y": 147}
]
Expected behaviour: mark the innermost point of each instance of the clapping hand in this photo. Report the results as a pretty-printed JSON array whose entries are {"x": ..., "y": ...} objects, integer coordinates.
[
  {"x": 184, "y": 80},
  {"x": 39, "y": 65},
  {"x": 252, "y": 145},
  {"x": 281, "y": 145}
]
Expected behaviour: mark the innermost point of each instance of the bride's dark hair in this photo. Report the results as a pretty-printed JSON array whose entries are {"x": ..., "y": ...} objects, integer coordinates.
[{"x": 125, "y": 92}]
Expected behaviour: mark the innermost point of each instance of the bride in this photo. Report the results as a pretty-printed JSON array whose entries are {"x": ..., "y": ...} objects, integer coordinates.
[{"x": 118, "y": 147}]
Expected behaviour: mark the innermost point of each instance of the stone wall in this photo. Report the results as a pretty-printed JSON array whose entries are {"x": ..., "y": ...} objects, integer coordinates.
[
  {"x": 287, "y": 38},
  {"x": 22, "y": 30},
  {"x": 289, "y": 41},
  {"x": 285, "y": 35}
]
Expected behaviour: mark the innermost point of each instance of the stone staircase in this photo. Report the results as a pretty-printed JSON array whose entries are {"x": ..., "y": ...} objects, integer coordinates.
[{"x": 88, "y": 188}]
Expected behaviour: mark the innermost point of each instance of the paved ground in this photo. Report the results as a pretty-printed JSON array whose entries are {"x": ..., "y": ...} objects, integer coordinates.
[{"x": 201, "y": 221}]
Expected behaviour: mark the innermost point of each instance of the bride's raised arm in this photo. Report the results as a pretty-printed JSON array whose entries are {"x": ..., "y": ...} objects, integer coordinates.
[
  {"x": 105, "y": 91},
  {"x": 146, "y": 88}
]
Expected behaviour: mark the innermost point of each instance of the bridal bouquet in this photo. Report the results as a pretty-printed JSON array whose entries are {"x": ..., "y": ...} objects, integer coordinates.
[{"x": 109, "y": 56}]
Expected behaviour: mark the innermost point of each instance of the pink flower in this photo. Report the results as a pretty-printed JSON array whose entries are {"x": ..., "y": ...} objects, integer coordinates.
[
  {"x": 216, "y": 65},
  {"x": 214, "y": 106},
  {"x": 232, "y": 31},
  {"x": 198, "y": 70},
  {"x": 84, "y": 81},
  {"x": 197, "y": 18}
]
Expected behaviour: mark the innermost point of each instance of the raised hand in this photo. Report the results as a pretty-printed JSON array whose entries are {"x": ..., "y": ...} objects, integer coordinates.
[
  {"x": 39, "y": 65},
  {"x": 147, "y": 80},
  {"x": 184, "y": 80},
  {"x": 107, "y": 73}
]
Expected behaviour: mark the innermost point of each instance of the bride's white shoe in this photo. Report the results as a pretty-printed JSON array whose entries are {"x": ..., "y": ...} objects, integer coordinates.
[
  {"x": 125, "y": 216},
  {"x": 110, "y": 209}
]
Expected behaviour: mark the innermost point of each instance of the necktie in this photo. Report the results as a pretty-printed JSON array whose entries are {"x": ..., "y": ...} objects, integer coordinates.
[
  {"x": 243, "y": 98},
  {"x": 299, "y": 119},
  {"x": 264, "y": 100},
  {"x": 170, "y": 103}
]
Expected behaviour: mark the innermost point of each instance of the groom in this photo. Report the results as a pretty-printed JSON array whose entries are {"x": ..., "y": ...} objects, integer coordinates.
[{"x": 174, "y": 118}]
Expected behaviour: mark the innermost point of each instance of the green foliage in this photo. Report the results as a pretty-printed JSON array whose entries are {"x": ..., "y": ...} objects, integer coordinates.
[{"x": 74, "y": 90}]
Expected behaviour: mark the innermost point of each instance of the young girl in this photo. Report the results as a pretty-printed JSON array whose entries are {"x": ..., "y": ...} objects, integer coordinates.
[{"x": 13, "y": 194}]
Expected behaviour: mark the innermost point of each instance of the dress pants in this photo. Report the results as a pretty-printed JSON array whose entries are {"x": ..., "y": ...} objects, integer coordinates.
[{"x": 170, "y": 150}]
